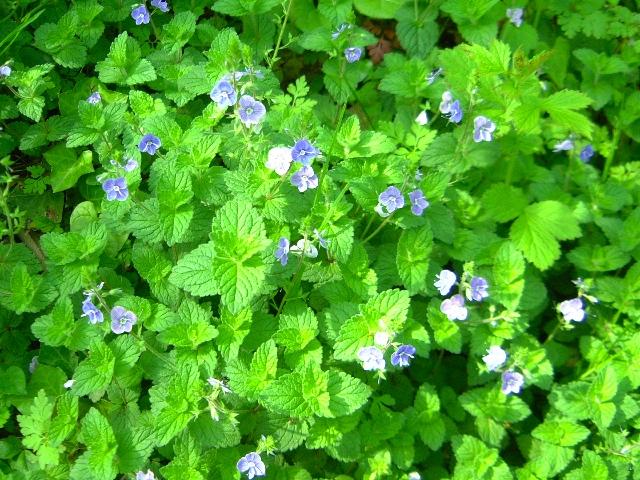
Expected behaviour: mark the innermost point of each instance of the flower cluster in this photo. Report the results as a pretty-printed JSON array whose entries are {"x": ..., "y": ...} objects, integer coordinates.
[
  {"x": 279, "y": 160},
  {"x": 451, "y": 108},
  {"x": 302, "y": 247},
  {"x": 140, "y": 13},
  {"x": 392, "y": 199},
  {"x": 372, "y": 358},
  {"x": 454, "y": 308},
  {"x": 496, "y": 357},
  {"x": 224, "y": 93},
  {"x": 89, "y": 309}
]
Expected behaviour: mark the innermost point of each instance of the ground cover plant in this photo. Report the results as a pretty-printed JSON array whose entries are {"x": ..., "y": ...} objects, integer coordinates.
[{"x": 339, "y": 239}]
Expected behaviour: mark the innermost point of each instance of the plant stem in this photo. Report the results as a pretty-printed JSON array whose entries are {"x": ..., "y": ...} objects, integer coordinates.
[
  {"x": 274, "y": 56},
  {"x": 377, "y": 230},
  {"x": 609, "y": 160}
]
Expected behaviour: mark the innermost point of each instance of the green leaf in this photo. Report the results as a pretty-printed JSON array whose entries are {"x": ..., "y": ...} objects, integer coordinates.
[
  {"x": 347, "y": 394},
  {"x": 101, "y": 444},
  {"x": 605, "y": 386},
  {"x": 561, "y": 108},
  {"x": 193, "y": 329},
  {"x": 195, "y": 272},
  {"x": 249, "y": 382},
  {"x": 66, "y": 168},
  {"x": 561, "y": 432},
  {"x": 446, "y": 332},
  {"x": 378, "y": 8},
  {"x": 22, "y": 292},
  {"x": 95, "y": 372},
  {"x": 53, "y": 329},
  {"x": 386, "y": 311},
  {"x": 508, "y": 276},
  {"x": 123, "y": 64},
  {"x": 492, "y": 403},
  {"x": 536, "y": 232},
  {"x": 178, "y": 31},
  {"x": 414, "y": 250},
  {"x": 297, "y": 327},
  {"x": 503, "y": 202},
  {"x": 34, "y": 425}
]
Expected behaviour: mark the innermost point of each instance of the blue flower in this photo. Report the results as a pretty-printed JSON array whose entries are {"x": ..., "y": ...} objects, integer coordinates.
[
  {"x": 572, "y": 310},
  {"x": 252, "y": 465},
  {"x": 5, "y": 71},
  {"x": 586, "y": 153},
  {"x": 224, "y": 94},
  {"x": 149, "y": 144},
  {"x": 371, "y": 358},
  {"x": 339, "y": 30},
  {"x": 477, "y": 289},
  {"x": 444, "y": 281},
  {"x": 515, "y": 15},
  {"x": 454, "y": 308},
  {"x": 418, "y": 202},
  {"x": 450, "y": 107},
  {"x": 304, "y": 178},
  {"x": 494, "y": 358},
  {"x": 304, "y": 247},
  {"x": 92, "y": 312},
  {"x": 403, "y": 355},
  {"x": 116, "y": 189},
  {"x": 282, "y": 252},
  {"x": 140, "y": 15},
  {"x": 352, "y": 54},
  {"x": 94, "y": 98},
  {"x": 304, "y": 152},
  {"x": 512, "y": 382},
  {"x": 122, "y": 320},
  {"x": 131, "y": 165},
  {"x": 563, "y": 146},
  {"x": 391, "y": 199},
  {"x": 251, "y": 111},
  {"x": 145, "y": 476},
  {"x": 483, "y": 129},
  {"x": 160, "y": 5},
  {"x": 323, "y": 241}
]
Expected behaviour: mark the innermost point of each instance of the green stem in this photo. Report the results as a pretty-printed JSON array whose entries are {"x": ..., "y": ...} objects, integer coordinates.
[
  {"x": 296, "y": 279},
  {"x": 377, "y": 230},
  {"x": 612, "y": 153},
  {"x": 274, "y": 57}
]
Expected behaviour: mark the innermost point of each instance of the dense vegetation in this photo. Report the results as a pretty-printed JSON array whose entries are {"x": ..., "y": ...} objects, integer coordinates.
[{"x": 339, "y": 239}]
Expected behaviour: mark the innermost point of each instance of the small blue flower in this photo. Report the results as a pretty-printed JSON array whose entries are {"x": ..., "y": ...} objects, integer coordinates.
[
  {"x": 116, "y": 189},
  {"x": 454, "y": 308},
  {"x": 586, "y": 153},
  {"x": 145, "y": 476},
  {"x": 339, "y": 30},
  {"x": 5, "y": 71},
  {"x": 160, "y": 5},
  {"x": 304, "y": 179},
  {"x": 563, "y": 146},
  {"x": 252, "y": 465},
  {"x": 131, "y": 165},
  {"x": 371, "y": 358},
  {"x": 122, "y": 320},
  {"x": 323, "y": 241},
  {"x": 477, "y": 289},
  {"x": 92, "y": 312},
  {"x": 140, "y": 15},
  {"x": 304, "y": 152},
  {"x": 149, "y": 144},
  {"x": 515, "y": 15},
  {"x": 444, "y": 281},
  {"x": 224, "y": 94},
  {"x": 494, "y": 358},
  {"x": 483, "y": 129},
  {"x": 282, "y": 252},
  {"x": 352, "y": 54},
  {"x": 391, "y": 199},
  {"x": 572, "y": 310},
  {"x": 402, "y": 356},
  {"x": 94, "y": 98},
  {"x": 279, "y": 160},
  {"x": 251, "y": 111},
  {"x": 418, "y": 202},
  {"x": 450, "y": 107},
  {"x": 512, "y": 382}
]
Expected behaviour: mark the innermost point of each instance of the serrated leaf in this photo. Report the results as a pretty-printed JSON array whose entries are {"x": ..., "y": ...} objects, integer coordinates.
[
  {"x": 95, "y": 372},
  {"x": 195, "y": 272},
  {"x": 561, "y": 432},
  {"x": 414, "y": 250}
]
